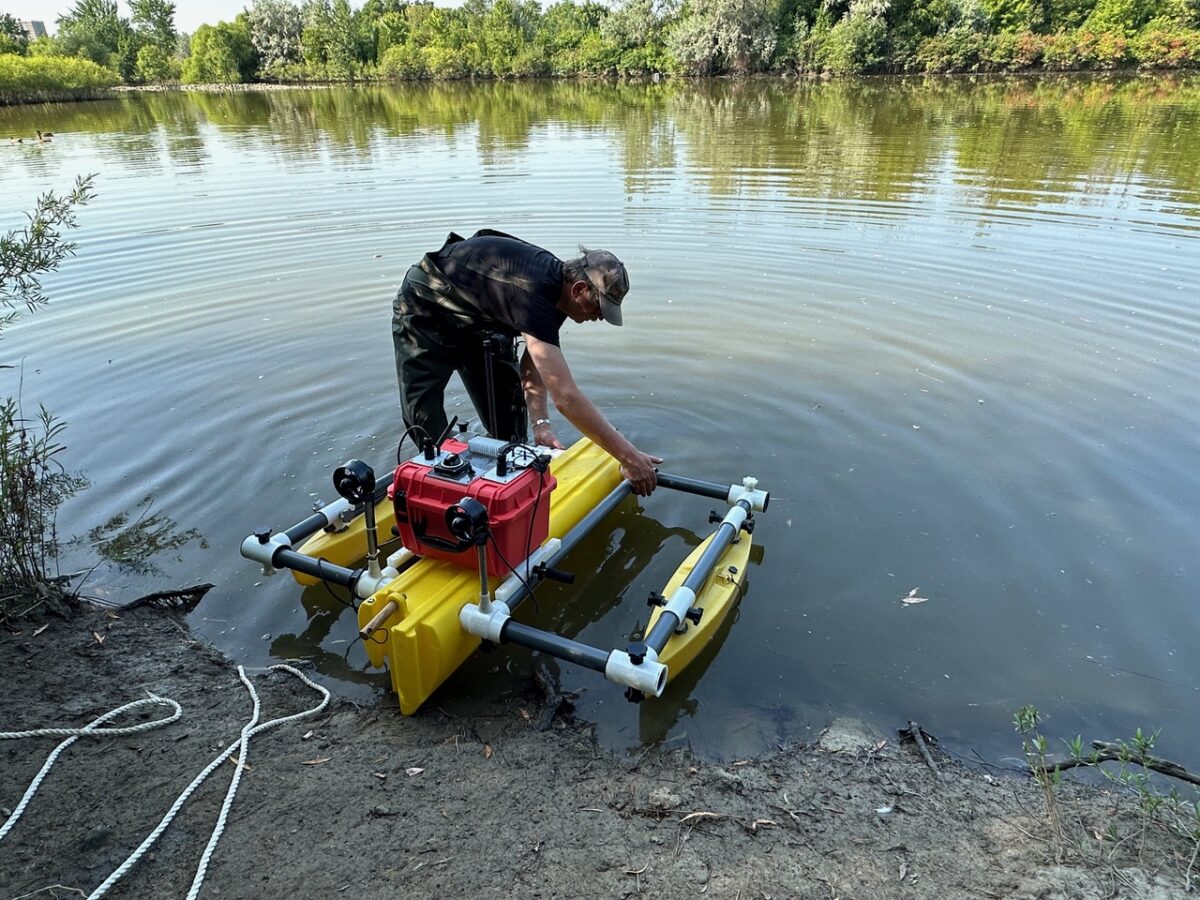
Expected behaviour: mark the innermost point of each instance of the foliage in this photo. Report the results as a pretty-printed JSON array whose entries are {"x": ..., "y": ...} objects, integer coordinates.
[
  {"x": 330, "y": 40},
  {"x": 636, "y": 31},
  {"x": 221, "y": 54},
  {"x": 275, "y": 28},
  {"x": 957, "y": 50},
  {"x": 1159, "y": 47},
  {"x": 32, "y": 483},
  {"x": 154, "y": 66},
  {"x": 154, "y": 21},
  {"x": 38, "y": 248},
  {"x": 13, "y": 38},
  {"x": 38, "y": 79},
  {"x": 715, "y": 36},
  {"x": 1167, "y": 812},
  {"x": 854, "y": 45},
  {"x": 1034, "y": 746},
  {"x": 93, "y": 30}
]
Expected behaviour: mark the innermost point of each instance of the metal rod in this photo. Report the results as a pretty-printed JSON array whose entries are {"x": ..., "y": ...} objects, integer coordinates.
[
  {"x": 485, "y": 590},
  {"x": 573, "y": 537},
  {"x": 693, "y": 486},
  {"x": 372, "y": 540},
  {"x": 555, "y": 645}
]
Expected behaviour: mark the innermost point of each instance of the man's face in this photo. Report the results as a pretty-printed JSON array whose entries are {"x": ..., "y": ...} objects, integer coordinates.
[{"x": 585, "y": 303}]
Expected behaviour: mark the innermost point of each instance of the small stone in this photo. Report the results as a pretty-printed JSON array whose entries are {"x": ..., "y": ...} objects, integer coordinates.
[{"x": 662, "y": 798}]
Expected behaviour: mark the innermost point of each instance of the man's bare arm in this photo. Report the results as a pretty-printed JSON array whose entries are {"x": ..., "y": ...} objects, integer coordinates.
[
  {"x": 556, "y": 379},
  {"x": 536, "y": 403}
]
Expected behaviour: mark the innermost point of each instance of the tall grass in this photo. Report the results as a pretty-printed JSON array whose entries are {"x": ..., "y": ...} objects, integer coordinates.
[{"x": 39, "y": 79}]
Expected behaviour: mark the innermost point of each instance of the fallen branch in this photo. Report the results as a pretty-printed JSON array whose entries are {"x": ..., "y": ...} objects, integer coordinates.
[
  {"x": 185, "y": 599},
  {"x": 914, "y": 731},
  {"x": 1106, "y": 751}
]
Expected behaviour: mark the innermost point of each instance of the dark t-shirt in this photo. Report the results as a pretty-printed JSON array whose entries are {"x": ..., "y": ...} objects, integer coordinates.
[{"x": 513, "y": 284}]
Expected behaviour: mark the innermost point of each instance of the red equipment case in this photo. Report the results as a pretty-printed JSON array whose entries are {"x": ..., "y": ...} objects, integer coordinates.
[{"x": 518, "y": 510}]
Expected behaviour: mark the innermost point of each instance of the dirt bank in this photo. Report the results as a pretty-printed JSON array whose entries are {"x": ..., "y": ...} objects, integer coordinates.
[{"x": 361, "y": 802}]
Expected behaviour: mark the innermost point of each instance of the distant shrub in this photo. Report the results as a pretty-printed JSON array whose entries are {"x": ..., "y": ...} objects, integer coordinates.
[
  {"x": 854, "y": 45},
  {"x": 154, "y": 66},
  {"x": 445, "y": 63},
  {"x": 402, "y": 62},
  {"x": 38, "y": 79},
  {"x": 957, "y": 50},
  {"x": 1104, "y": 50},
  {"x": 1164, "y": 48},
  {"x": 1059, "y": 52},
  {"x": 1014, "y": 51}
]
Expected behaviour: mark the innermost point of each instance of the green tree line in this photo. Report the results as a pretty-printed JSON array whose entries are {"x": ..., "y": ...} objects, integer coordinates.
[{"x": 328, "y": 40}]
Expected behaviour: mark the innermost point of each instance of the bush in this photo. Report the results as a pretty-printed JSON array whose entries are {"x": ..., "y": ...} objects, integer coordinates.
[
  {"x": 445, "y": 63},
  {"x": 1059, "y": 52},
  {"x": 1163, "y": 48},
  {"x": 402, "y": 62},
  {"x": 39, "y": 79},
  {"x": 958, "y": 50},
  {"x": 32, "y": 483},
  {"x": 154, "y": 66},
  {"x": 1106, "y": 50},
  {"x": 853, "y": 46}
]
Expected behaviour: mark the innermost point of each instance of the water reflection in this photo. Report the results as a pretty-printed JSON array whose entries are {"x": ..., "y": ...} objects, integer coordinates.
[{"x": 1022, "y": 140}]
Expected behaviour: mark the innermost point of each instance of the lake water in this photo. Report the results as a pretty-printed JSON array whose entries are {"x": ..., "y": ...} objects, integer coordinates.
[{"x": 953, "y": 326}]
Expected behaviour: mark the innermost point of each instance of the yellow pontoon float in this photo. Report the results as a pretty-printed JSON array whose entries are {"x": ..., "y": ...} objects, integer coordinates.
[{"x": 521, "y": 509}]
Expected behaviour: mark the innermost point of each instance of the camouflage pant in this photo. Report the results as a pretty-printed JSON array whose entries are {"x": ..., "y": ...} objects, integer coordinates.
[{"x": 430, "y": 346}]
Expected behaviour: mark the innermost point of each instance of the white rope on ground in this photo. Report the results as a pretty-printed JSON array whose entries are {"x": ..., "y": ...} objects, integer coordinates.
[
  {"x": 248, "y": 731},
  {"x": 73, "y": 734}
]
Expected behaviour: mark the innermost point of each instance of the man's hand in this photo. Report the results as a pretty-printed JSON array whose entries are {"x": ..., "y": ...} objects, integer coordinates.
[
  {"x": 543, "y": 436},
  {"x": 639, "y": 471}
]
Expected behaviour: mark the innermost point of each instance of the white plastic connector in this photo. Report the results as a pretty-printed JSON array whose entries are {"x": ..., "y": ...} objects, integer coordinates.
[
  {"x": 649, "y": 676},
  {"x": 264, "y": 551},
  {"x": 335, "y": 515},
  {"x": 748, "y": 491},
  {"x": 681, "y": 600},
  {"x": 486, "y": 625},
  {"x": 368, "y": 585}
]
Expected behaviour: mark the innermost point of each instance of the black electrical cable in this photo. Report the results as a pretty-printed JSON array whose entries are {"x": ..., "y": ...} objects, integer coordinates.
[
  {"x": 346, "y": 603},
  {"x": 525, "y": 584},
  {"x": 532, "y": 519},
  {"x": 407, "y": 431}
]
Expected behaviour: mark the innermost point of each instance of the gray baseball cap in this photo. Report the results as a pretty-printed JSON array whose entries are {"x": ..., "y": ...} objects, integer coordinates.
[{"x": 609, "y": 277}]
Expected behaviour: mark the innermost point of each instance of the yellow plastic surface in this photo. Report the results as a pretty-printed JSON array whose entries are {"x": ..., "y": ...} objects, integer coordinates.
[
  {"x": 349, "y": 546},
  {"x": 422, "y": 643},
  {"x": 718, "y": 597}
]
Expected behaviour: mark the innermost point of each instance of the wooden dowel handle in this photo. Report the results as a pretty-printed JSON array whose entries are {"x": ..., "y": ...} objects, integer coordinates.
[{"x": 371, "y": 627}]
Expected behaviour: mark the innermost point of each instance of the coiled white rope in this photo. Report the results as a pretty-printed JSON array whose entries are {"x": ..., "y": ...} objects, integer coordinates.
[
  {"x": 248, "y": 731},
  {"x": 73, "y": 734}
]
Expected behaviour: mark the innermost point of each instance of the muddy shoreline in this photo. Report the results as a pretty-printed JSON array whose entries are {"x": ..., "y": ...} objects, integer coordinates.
[{"x": 362, "y": 802}]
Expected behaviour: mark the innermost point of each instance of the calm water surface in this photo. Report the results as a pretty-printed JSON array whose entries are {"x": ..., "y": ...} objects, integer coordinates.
[{"x": 952, "y": 326}]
